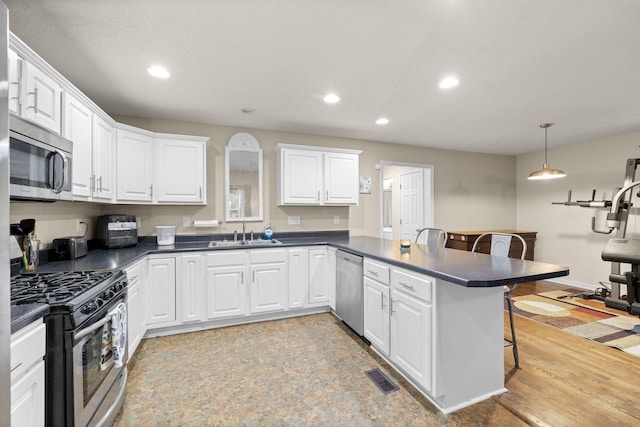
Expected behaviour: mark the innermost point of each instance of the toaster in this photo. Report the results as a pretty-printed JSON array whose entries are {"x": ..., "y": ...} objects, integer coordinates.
[
  {"x": 66, "y": 248},
  {"x": 117, "y": 231}
]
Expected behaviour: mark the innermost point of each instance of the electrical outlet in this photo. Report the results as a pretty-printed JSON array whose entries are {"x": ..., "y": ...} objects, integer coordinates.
[
  {"x": 336, "y": 219},
  {"x": 186, "y": 221},
  {"x": 294, "y": 220},
  {"x": 78, "y": 226}
]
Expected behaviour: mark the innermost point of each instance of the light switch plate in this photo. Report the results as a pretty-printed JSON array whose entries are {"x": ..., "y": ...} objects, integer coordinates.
[
  {"x": 186, "y": 221},
  {"x": 365, "y": 184},
  {"x": 336, "y": 219},
  {"x": 294, "y": 220}
]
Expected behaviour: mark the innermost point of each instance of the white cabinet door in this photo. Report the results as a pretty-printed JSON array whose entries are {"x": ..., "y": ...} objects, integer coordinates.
[
  {"x": 27, "y": 398},
  {"x": 301, "y": 177},
  {"x": 77, "y": 127},
  {"x": 104, "y": 139},
  {"x": 15, "y": 78},
  {"x": 180, "y": 171},
  {"x": 225, "y": 285},
  {"x": 331, "y": 252},
  {"x": 411, "y": 337},
  {"x": 161, "y": 281},
  {"x": 318, "y": 277},
  {"x": 341, "y": 180},
  {"x": 134, "y": 315},
  {"x": 268, "y": 280},
  {"x": 134, "y": 154},
  {"x": 191, "y": 287},
  {"x": 41, "y": 98},
  {"x": 298, "y": 277},
  {"x": 376, "y": 314}
]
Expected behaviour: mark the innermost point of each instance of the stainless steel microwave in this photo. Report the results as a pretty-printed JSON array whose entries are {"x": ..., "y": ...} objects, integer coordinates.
[{"x": 39, "y": 163}]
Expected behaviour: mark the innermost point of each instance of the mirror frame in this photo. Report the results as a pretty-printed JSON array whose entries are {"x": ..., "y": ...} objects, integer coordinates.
[{"x": 242, "y": 141}]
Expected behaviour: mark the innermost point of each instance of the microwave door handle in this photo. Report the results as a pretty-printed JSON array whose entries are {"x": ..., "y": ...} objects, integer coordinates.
[
  {"x": 86, "y": 331},
  {"x": 58, "y": 188}
]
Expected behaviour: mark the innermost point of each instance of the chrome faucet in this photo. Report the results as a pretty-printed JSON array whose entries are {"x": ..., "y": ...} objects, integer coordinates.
[
  {"x": 235, "y": 235},
  {"x": 244, "y": 237}
]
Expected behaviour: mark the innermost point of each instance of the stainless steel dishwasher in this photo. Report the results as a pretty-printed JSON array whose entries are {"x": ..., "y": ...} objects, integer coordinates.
[{"x": 349, "y": 290}]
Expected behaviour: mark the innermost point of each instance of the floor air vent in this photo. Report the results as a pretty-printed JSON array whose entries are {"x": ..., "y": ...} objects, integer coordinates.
[{"x": 382, "y": 381}]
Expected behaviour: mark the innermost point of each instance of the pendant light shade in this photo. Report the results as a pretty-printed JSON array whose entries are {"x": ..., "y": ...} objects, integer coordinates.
[{"x": 546, "y": 172}]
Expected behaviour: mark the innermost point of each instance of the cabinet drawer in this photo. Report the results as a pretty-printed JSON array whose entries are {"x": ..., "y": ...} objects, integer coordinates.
[
  {"x": 377, "y": 271},
  {"x": 134, "y": 273},
  {"x": 222, "y": 258},
  {"x": 27, "y": 347},
  {"x": 413, "y": 284},
  {"x": 268, "y": 255}
]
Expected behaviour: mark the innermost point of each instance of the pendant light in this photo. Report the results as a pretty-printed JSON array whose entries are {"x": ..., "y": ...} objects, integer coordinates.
[{"x": 546, "y": 172}]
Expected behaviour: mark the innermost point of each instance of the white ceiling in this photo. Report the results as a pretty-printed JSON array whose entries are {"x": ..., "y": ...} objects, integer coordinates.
[{"x": 520, "y": 63}]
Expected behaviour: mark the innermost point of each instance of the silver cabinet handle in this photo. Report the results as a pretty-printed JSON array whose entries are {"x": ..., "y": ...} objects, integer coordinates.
[
  {"x": 326, "y": 195},
  {"x": 381, "y": 301},
  {"x": 392, "y": 306},
  {"x": 375, "y": 273},
  {"x": 151, "y": 191},
  {"x": 318, "y": 195},
  {"x": 35, "y": 99},
  {"x": 242, "y": 277},
  {"x": 406, "y": 286},
  {"x": 253, "y": 276},
  {"x": 92, "y": 183},
  {"x": 100, "y": 185},
  {"x": 200, "y": 193}
]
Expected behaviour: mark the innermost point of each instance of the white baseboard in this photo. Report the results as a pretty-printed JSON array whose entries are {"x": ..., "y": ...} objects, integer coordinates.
[{"x": 574, "y": 284}]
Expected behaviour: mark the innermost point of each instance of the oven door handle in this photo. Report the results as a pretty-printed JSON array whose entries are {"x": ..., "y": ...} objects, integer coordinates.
[{"x": 86, "y": 331}]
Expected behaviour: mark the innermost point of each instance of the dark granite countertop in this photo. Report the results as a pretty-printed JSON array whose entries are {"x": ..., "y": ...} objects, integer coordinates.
[
  {"x": 23, "y": 315},
  {"x": 456, "y": 266}
]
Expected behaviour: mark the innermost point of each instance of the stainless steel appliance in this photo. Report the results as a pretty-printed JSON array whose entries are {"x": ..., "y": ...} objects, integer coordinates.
[
  {"x": 5, "y": 309},
  {"x": 85, "y": 378},
  {"x": 350, "y": 290},
  {"x": 66, "y": 248},
  {"x": 40, "y": 163},
  {"x": 117, "y": 231}
]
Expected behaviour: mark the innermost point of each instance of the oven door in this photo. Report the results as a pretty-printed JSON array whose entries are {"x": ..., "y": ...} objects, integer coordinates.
[{"x": 98, "y": 384}]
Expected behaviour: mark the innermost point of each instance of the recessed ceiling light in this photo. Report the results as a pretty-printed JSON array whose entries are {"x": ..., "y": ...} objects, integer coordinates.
[
  {"x": 449, "y": 82},
  {"x": 382, "y": 121},
  {"x": 331, "y": 98},
  {"x": 158, "y": 71}
]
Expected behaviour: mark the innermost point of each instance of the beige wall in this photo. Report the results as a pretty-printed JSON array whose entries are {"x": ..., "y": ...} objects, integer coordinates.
[
  {"x": 472, "y": 191},
  {"x": 564, "y": 233}
]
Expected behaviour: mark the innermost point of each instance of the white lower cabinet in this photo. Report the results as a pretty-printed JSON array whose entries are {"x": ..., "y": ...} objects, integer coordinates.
[
  {"x": 399, "y": 319},
  {"x": 190, "y": 287},
  {"x": 136, "y": 313},
  {"x": 268, "y": 280},
  {"x": 27, "y": 375},
  {"x": 376, "y": 314},
  {"x": 298, "y": 259},
  {"x": 318, "y": 276},
  {"x": 161, "y": 286},
  {"x": 411, "y": 322},
  {"x": 225, "y": 284}
]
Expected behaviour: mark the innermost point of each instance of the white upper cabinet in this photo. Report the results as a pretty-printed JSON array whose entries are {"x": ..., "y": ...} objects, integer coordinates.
[
  {"x": 180, "y": 170},
  {"x": 77, "y": 128},
  {"x": 317, "y": 176},
  {"x": 104, "y": 142},
  {"x": 134, "y": 157},
  {"x": 33, "y": 94},
  {"x": 15, "y": 76},
  {"x": 41, "y": 97}
]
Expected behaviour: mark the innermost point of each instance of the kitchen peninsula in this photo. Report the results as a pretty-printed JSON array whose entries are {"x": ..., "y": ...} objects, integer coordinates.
[{"x": 442, "y": 315}]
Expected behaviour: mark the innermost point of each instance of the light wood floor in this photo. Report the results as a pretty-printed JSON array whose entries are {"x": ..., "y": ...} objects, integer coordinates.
[{"x": 565, "y": 380}]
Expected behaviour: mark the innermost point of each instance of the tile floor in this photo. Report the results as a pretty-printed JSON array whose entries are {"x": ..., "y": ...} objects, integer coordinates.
[{"x": 301, "y": 371}]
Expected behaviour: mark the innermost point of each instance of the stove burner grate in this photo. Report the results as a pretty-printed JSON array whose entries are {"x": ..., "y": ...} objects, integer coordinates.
[{"x": 54, "y": 287}]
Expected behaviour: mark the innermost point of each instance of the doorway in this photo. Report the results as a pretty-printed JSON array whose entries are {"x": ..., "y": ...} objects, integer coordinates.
[{"x": 406, "y": 202}]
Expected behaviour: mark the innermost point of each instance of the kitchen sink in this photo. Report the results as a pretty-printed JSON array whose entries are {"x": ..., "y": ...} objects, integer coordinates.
[{"x": 256, "y": 242}]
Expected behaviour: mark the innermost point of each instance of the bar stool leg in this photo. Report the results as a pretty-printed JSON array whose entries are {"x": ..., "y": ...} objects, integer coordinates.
[{"x": 514, "y": 343}]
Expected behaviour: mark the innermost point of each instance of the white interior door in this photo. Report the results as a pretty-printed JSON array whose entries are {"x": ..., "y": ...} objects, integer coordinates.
[{"x": 411, "y": 204}]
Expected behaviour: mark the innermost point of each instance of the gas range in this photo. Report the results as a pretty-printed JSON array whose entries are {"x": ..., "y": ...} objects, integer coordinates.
[
  {"x": 80, "y": 293},
  {"x": 85, "y": 359}
]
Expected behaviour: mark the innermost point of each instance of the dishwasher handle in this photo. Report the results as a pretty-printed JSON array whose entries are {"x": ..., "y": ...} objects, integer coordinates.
[{"x": 349, "y": 257}]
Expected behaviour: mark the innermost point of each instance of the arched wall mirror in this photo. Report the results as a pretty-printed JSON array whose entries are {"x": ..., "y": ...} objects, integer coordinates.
[{"x": 243, "y": 178}]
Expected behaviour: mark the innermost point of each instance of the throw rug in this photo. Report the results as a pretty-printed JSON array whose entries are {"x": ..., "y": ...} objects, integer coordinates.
[{"x": 579, "y": 319}]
